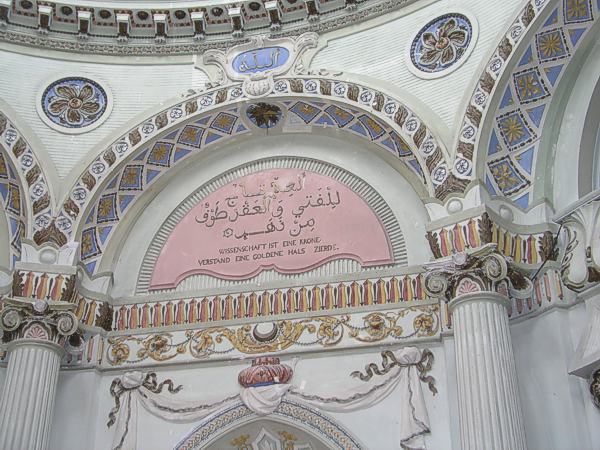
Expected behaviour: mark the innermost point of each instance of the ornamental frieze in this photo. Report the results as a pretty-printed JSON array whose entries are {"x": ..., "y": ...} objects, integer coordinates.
[
  {"x": 523, "y": 247},
  {"x": 175, "y": 30},
  {"x": 282, "y": 336},
  {"x": 392, "y": 291}
]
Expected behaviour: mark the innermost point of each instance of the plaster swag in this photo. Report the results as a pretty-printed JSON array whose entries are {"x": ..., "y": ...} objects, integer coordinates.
[{"x": 403, "y": 370}]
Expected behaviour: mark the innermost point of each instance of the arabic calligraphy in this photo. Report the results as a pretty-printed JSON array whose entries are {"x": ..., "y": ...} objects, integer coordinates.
[
  {"x": 267, "y": 202},
  {"x": 260, "y": 60},
  {"x": 290, "y": 220}
]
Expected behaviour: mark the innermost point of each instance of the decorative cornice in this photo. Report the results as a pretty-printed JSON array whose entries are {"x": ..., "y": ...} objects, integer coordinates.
[
  {"x": 320, "y": 298},
  {"x": 176, "y": 30},
  {"x": 523, "y": 247}
]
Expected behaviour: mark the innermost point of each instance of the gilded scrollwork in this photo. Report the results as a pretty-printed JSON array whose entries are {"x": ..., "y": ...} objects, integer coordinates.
[{"x": 324, "y": 332}]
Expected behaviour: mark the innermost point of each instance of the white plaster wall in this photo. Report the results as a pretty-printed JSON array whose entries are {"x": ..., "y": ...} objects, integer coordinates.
[
  {"x": 76, "y": 416},
  {"x": 135, "y": 88},
  {"x": 4, "y": 241},
  {"x": 380, "y": 52},
  {"x": 564, "y": 158},
  {"x": 558, "y": 411},
  {"x": 348, "y": 154},
  {"x": 377, "y": 427}
]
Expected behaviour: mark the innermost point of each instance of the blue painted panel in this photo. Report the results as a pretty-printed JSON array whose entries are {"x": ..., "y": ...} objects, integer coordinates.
[{"x": 260, "y": 60}]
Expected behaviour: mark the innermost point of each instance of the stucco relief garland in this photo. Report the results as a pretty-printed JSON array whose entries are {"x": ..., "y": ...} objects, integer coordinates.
[
  {"x": 264, "y": 394},
  {"x": 321, "y": 332}
]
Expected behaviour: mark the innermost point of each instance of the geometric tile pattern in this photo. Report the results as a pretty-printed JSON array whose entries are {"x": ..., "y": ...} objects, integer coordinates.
[
  {"x": 578, "y": 11},
  {"x": 11, "y": 199},
  {"x": 551, "y": 45},
  {"x": 514, "y": 140},
  {"x": 555, "y": 29},
  {"x": 514, "y": 129},
  {"x": 530, "y": 86},
  {"x": 152, "y": 162}
]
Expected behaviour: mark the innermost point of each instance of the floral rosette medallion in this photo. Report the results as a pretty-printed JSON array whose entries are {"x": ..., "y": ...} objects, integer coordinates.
[
  {"x": 74, "y": 102},
  {"x": 441, "y": 43},
  {"x": 265, "y": 371}
]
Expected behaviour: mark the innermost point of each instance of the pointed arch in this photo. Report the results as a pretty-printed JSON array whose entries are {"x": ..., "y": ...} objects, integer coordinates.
[
  {"x": 313, "y": 422},
  {"x": 24, "y": 189}
]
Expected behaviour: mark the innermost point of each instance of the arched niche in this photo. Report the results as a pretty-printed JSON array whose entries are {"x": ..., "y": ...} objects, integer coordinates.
[
  {"x": 312, "y": 105},
  {"x": 125, "y": 253},
  {"x": 311, "y": 430}
]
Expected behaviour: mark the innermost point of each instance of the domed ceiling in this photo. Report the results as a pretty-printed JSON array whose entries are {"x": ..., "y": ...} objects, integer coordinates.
[{"x": 173, "y": 27}]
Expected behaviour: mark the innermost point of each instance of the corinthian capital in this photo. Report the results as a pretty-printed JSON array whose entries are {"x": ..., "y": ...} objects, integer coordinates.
[
  {"x": 40, "y": 320},
  {"x": 481, "y": 269}
]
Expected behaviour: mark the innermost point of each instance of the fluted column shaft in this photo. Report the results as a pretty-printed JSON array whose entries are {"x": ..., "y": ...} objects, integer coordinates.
[
  {"x": 27, "y": 401},
  {"x": 489, "y": 408}
]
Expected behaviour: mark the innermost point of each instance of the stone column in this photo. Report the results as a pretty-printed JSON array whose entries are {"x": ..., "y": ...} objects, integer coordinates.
[
  {"x": 477, "y": 285},
  {"x": 36, "y": 332}
]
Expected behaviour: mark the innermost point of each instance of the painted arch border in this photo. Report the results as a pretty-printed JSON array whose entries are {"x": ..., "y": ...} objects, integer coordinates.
[
  {"x": 473, "y": 137},
  {"x": 427, "y": 148},
  {"x": 539, "y": 113},
  {"x": 297, "y": 414},
  {"x": 26, "y": 167},
  {"x": 360, "y": 187}
]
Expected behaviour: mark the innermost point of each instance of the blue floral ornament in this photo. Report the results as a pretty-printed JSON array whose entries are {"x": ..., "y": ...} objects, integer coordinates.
[
  {"x": 74, "y": 102},
  {"x": 441, "y": 43}
]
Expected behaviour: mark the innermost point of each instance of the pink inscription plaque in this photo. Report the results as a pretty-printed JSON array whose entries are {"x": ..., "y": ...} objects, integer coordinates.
[{"x": 291, "y": 220}]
